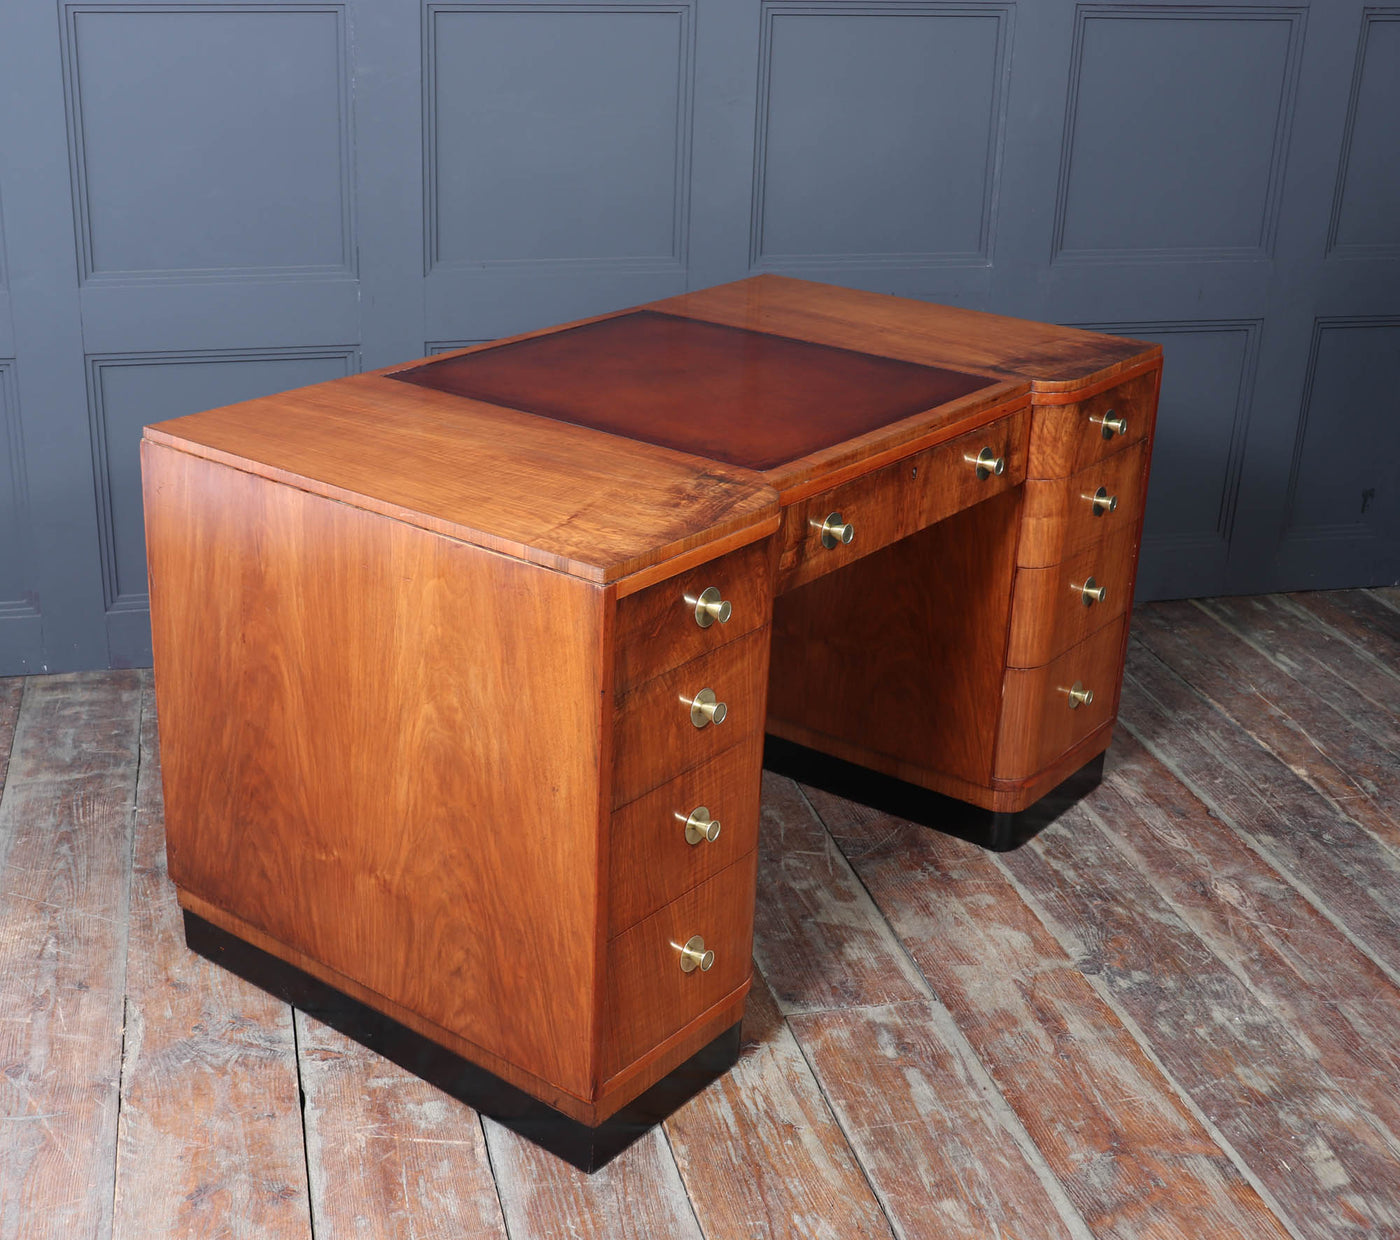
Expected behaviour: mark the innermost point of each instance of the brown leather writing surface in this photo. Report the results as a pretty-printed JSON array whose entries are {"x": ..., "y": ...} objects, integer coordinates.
[{"x": 743, "y": 397}]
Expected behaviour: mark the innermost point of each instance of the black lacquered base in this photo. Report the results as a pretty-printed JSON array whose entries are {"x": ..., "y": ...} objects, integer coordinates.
[
  {"x": 586, "y": 1148},
  {"x": 995, "y": 831}
]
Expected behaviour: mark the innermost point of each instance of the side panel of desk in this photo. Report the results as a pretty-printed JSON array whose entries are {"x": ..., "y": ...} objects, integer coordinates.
[{"x": 386, "y": 751}]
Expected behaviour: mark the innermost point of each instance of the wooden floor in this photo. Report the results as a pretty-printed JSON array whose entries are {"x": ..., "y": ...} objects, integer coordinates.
[{"x": 1174, "y": 1014}]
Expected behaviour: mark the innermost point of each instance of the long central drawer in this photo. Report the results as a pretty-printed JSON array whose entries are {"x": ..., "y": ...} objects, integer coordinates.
[{"x": 899, "y": 499}]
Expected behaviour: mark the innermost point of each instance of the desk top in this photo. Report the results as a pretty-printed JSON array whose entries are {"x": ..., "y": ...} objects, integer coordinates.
[
  {"x": 547, "y": 465},
  {"x": 725, "y": 393}
]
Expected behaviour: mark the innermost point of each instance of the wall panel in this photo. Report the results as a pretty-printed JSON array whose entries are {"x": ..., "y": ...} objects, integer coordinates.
[
  {"x": 557, "y": 134},
  {"x": 201, "y": 200},
  {"x": 1344, "y": 484},
  {"x": 210, "y": 139},
  {"x": 1366, "y": 210},
  {"x": 1177, "y": 131},
  {"x": 1208, "y": 381},
  {"x": 20, "y": 631},
  {"x": 879, "y": 134}
]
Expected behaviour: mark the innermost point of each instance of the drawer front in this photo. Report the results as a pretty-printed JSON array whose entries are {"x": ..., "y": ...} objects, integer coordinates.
[
  {"x": 654, "y": 857},
  {"x": 1055, "y": 608},
  {"x": 649, "y": 995},
  {"x": 1039, "y": 720},
  {"x": 1062, "y": 518},
  {"x": 661, "y": 626},
  {"x": 1068, "y": 438},
  {"x": 899, "y": 499},
  {"x": 655, "y": 737}
]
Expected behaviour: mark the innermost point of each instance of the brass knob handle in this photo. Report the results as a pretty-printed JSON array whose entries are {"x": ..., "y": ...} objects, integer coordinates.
[
  {"x": 694, "y": 956},
  {"x": 835, "y": 530},
  {"x": 709, "y": 607},
  {"x": 1078, "y": 695},
  {"x": 1110, "y": 424},
  {"x": 987, "y": 462},
  {"x": 1102, "y": 501},
  {"x": 700, "y": 828},
  {"x": 705, "y": 708},
  {"x": 1089, "y": 591}
]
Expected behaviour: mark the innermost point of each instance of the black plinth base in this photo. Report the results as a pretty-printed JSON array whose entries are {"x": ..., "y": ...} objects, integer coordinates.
[
  {"x": 995, "y": 831},
  {"x": 586, "y": 1148}
]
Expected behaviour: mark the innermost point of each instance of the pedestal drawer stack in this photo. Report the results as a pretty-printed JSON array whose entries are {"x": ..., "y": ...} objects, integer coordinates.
[
  {"x": 1075, "y": 566},
  {"x": 691, "y": 675}
]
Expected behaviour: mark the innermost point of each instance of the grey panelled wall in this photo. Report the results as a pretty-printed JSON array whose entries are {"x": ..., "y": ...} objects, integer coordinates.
[{"x": 204, "y": 200}]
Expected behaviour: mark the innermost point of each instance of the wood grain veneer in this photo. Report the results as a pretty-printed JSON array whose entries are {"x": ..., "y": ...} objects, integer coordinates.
[
  {"x": 898, "y": 500},
  {"x": 1060, "y": 521},
  {"x": 648, "y": 995},
  {"x": 650, "y": 861},
  {"x": 1064, "y": 440},
  {"x": 1048, "y": 614},
  {"x": 653, "y": 737},
  {"x": 902, "y": 654},
  {"x": 565, "y": 497},
  {"x": 354, "y": 780},
  {"x": 1037, "y": 724},
  {"x": 656, "y": 627},
  {"x": 1053, "y": 359}
]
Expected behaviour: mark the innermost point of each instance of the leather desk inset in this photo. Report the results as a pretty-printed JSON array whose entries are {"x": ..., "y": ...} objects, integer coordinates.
[{"x": 464, "y": 669}]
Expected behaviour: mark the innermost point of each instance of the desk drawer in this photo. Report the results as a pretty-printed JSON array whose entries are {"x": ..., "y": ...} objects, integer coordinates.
[
  {"x": 1039, "y": 720},
  {"x": 649, "y": 996},
  {"x": 654, "y": 736},
  {"x": 651, "y": 861},
  {"x": 1067, "y": 438},
  {"x": 1062, "y": 517},
  {"x": 899, "y": 499},
  {"x": 658, "y": 627},
  {"x": 1055, "y": 608}
]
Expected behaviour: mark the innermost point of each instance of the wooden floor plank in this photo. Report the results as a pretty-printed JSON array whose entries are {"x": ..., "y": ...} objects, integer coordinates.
[
  {"x": 1345, "y": 868},
  {"x": 1321, "y": 1156},
  {"x": 819, "y": 940},
  {"x": 1132, "y": 1157},
  {"x": 65, "y": 836},
  {"x": 71, "y": 726},
  {"x": 637, "y": 1196},
  {"x": 1337, "y": 756},
  {"x": 11, "y": 691},
  {"x": 1360, "y": 615},
  {"x": 1358, "y": 684},
  {"x": 938, "y": 1149},
  {"x": 1224, "y": 909},
  {"x": 787, "y": 1170},
  {"x": 389, "y": 1156},
  {"x": 1343, "y": 1008},
  {"x": 210, "y": 1132}
]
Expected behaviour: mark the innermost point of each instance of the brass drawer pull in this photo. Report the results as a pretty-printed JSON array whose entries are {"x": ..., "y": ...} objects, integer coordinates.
[
  {"x": 1110, "y": 424},
  {"x": 1102, "y": 501},
  {"x": 700, "y": 828},
  {"x": 705, "y": 708},
  {"x": 987, "y": 462},
  {"x": 1090, "y": 592},
  {"x": 835, "y": 530},
  {"x": 709, "y": 607},
  {"x": 694, "y": 956},
  {"x": 1079, "y": 695}
]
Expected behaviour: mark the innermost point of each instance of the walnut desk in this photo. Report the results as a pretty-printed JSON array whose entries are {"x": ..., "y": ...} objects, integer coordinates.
[{"x": 464, "y": 668}]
